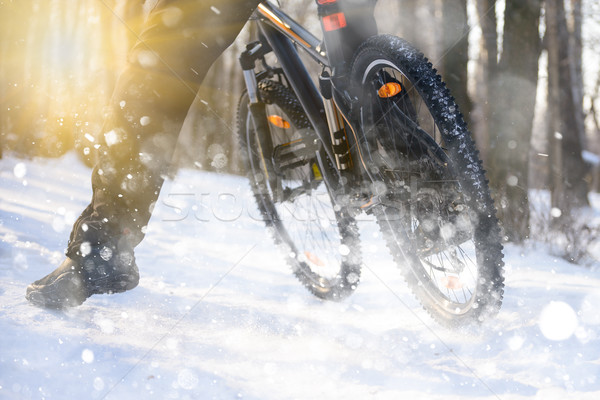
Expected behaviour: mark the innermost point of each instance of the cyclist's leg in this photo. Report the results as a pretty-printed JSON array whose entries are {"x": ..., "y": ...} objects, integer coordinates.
[
  {"x": 359, "y": 25},
  {"x": 181, "y": 40}
]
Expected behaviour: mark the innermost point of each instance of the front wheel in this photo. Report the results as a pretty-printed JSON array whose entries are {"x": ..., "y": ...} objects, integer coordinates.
[{"x": 431, "y": 198}]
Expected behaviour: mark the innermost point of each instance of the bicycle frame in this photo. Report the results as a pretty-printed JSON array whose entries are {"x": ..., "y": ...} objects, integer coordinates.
[
  {"x": 283, "y": 34},
  {"x": 368, "y": 144}
]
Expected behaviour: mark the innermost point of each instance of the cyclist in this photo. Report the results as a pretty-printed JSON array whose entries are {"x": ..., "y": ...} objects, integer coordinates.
[{"x": 179, "y": 42}]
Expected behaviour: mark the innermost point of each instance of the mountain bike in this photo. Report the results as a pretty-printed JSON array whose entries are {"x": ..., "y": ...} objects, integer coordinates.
[{"x": 374, "y": 132}]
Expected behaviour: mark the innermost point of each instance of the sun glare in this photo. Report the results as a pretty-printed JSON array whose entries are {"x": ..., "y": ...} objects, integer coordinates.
[{"x": 60, "y": 60}]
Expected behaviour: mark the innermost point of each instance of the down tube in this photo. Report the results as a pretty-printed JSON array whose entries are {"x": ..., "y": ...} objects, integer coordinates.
[{"x": 301, "y": 83}]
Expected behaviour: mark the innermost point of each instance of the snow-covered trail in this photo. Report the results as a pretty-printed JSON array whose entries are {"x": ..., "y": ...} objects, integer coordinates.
[{"x": 218, "y": 315}]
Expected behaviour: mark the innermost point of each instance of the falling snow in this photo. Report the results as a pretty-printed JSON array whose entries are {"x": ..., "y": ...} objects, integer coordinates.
[
  {"x": 111, "y": 138},
  {"x": 558, "y": 321},
  {"x": 20, "y": 170},
  {"x": 145, "y": 120}
]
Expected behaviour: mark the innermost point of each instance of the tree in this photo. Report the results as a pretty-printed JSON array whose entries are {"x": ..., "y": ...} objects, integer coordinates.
[
  {"x": 455, "y": 52},
  {"x": 576, "y": 44},
  {"x": 512, "y": 100},
  {"x": 488, "y": 62},
  {"x": 566, "y": 130}
]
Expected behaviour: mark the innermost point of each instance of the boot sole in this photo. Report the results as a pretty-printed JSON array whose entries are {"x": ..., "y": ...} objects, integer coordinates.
[
  {"x": 65, "y": 291},
  {"x": 68, "y": 290}
]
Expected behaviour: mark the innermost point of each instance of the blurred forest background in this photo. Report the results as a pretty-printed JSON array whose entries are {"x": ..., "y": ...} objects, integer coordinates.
[{"x": 525, "y": 73}]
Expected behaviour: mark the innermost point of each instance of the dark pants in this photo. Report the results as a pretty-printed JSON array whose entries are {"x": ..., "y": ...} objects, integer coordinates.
[{"x": 180, "y": 41}]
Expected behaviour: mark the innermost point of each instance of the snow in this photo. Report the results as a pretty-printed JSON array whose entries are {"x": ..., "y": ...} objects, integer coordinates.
[
  {"x": 590, "y": 158},
  {"x": 218, "y": 315}
]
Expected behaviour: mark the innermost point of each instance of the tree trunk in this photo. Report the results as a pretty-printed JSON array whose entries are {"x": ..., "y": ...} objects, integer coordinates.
[
  {"x": 569, "y": 188},
  {"x": 455, "y": 52},
  {"x": 592, "y": 110},
  {"x": 576, "y": 44},
  {"x": 488, "y": 63},
  {"x": 514, "y": 90},
  {"x": 406, "y": 13}
]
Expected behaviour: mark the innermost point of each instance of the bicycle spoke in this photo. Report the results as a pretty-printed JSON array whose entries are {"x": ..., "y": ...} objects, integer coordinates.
[{"x": 426, "y": 202}]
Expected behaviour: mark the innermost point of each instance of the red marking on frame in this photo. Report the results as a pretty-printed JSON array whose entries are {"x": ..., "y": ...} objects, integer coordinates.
[
  {"x": 334, "y": 22},
  {"x": 326, "y": 1}
]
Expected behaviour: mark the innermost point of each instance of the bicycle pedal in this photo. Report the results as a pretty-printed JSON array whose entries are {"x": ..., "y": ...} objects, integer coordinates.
[{"x": 294, "y": 154}]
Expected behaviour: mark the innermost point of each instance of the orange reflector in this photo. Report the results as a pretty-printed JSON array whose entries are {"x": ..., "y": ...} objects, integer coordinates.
[
  {"x": 278, "y": 121},
  {"x": 314, "y": 259},
  {"x": 334, "y": 22},
  {"x": 326, "y": 1},
  {"x": 389, "y": 90},
  {"x": 317, "y": 173},
  {"x": 452, "y": 282}
]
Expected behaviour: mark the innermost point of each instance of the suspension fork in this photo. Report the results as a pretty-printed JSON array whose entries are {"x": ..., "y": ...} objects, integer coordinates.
[{"x": 335, "y": 121}]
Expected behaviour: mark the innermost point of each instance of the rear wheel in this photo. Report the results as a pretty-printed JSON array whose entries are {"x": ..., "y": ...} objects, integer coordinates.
[
  {"x": 319, "y": 241},
  {"x": 431, "y": 197}
]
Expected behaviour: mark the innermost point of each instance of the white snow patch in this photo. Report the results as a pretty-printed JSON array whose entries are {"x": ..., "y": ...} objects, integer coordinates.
[{"x": 218, "y": 314}]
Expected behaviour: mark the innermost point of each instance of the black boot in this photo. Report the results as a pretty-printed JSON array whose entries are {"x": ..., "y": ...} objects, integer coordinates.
[{"x": 77, "y": 279}]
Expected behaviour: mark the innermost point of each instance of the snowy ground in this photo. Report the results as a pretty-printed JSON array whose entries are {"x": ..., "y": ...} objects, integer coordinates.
[{"x": 218, "y": 315}]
